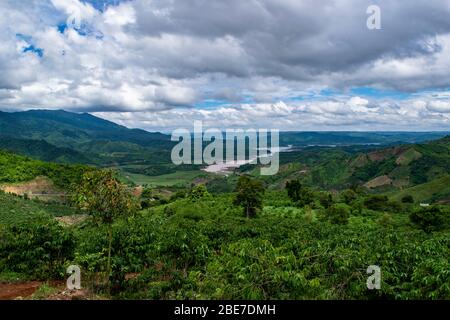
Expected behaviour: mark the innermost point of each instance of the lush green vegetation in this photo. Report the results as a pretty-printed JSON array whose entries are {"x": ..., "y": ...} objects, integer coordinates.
[
  {"x": 15, "y": 168},
  {"x": 432, "y": 191},
  {"x": 65, "y": 137},
  {"x": 309, "y": 232},
  {"x": 420, "y": 170},
  {"x": 209, "y": 249},
  {"x": 42, "y": 150},
  {"x": 16, "y": 209},
  {"x": 37, "y": 247},
  {"x": 204, "y": 247}
]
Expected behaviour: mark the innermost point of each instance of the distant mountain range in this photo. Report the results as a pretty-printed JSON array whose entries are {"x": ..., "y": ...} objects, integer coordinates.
[
  {"x": 415, "y": 163},
  {"x": 62, "y": 136},
  {"x": 342, "y": 138},
  {"x": 66, "y": 137},
  {"x": 42, "y": 150},
  {"x": 68, "y": 129},
  {"x": 72, "y": 130}
]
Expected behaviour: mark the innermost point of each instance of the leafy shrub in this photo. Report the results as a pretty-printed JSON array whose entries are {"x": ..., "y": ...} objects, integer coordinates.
[
  {"x": 385, "y": 220},
  {"x": 38, "y": 247},
  {"x": 199, "y": 193},
  {"x": 325, "y": 199},
  {"x": 348, "y": 196},
  {"x": 408, "y": 199},
  {"x": 338, "y": 213},
  {"x": 256, "y": 269},
  {"x": 178, "y": 195},
  {"x": 249, "y": 193},
  {"x": 299, "y": 194},
  {"x": 376, "y": 202},
  {"x": 381, "y": 203},
  {"x": 430, "y": 218},
  {"x": 147, "y": 193}
]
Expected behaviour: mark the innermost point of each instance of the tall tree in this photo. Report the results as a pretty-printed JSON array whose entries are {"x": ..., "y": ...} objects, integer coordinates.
[
  {"x": 293, "y": 188},
  {"x": 249, "y": 195},
  {"x": 299, "y": 194},
  {"x": 105, "y": 199}
]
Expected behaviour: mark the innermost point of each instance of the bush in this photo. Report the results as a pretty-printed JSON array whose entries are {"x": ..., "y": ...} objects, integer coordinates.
[
  {"x": 178, "y": 195},
  {"x": 199, "y": 193},
  {"x": 430, "y": 219},
  {"x": 37, "y": 248},
  {"x": 147, "y": 193},
  {"x": 408, "y": 199},
  {"x": 338, "y": 213},
  {"x": 299, "y": 194},
  {"x": 376, "y": 202},
  {"x": 348, "y": 196},
  {"x": 325, "y": 199},
  {"x": 385, "y": 220}
]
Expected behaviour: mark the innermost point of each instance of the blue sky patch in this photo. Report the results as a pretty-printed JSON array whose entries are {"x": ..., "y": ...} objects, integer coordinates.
[
  {"x": 377, "y": 93},
  {"x": 62, "y": 27},
  {"x": 210, "y": 103},
  {"x": 31, "y": 47},
  {"x": 38, "y": 51}
]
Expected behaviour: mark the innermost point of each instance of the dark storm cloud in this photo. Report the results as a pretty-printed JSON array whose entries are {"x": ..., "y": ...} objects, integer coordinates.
[{"x": 299, "y": 39}]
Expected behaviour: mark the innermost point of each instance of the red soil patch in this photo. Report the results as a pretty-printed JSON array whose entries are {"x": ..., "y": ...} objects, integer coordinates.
[
  {"x": 381, "y": 155},
  {"x": 11, "y": 291}
]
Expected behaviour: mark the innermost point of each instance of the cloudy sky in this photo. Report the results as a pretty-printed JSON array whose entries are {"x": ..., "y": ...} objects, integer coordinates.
[{"x": 286, "y": 64}]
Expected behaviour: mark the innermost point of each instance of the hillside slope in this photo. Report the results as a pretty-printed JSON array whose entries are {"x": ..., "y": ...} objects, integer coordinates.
[
  {"x": 66, "y": 137},
  {"x": 42, "y": 150},
  {"x": 381, "y": 169},
  {"x": 15, "y": 169},
  {"x": 67, "y": 129},
  {"x": 429, "y": 192},
  {"x": 16, "y": 210}
]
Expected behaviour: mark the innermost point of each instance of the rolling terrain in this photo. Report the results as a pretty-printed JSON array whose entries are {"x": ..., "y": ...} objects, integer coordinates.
[
  {"x": 189, "y": 238},
  {"x": 391, "y": 170}
]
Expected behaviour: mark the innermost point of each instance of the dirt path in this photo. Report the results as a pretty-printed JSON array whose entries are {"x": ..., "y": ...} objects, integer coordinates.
[{"x": 11, "y": 291}]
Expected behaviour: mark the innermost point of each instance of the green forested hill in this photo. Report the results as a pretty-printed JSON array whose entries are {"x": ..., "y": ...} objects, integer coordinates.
[
  {"x": 15, "y": 168},
  {"x": 380, "y": 169},
  {"x": 343, "y": 138},
  {"x": 66, "y": 137},
  {"x": 429, "y": 192},
  {"x": 68, "y": 129},
  {"x": 42, "y": 150}
]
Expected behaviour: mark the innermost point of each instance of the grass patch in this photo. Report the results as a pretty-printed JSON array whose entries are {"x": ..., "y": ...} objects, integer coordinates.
[
  {"x": 433, "y": 190},
  {"x": 43, "y": 292},
  {"x": 15, "y": 209}
]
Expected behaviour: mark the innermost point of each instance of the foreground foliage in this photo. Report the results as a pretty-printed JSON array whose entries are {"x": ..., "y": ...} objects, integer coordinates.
[
  {"x": 38, "y": 247},
  {"x": 209, "y": 250},
  {"x": 103, "y": 197},
  {"x": 206, "y": 248}
]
